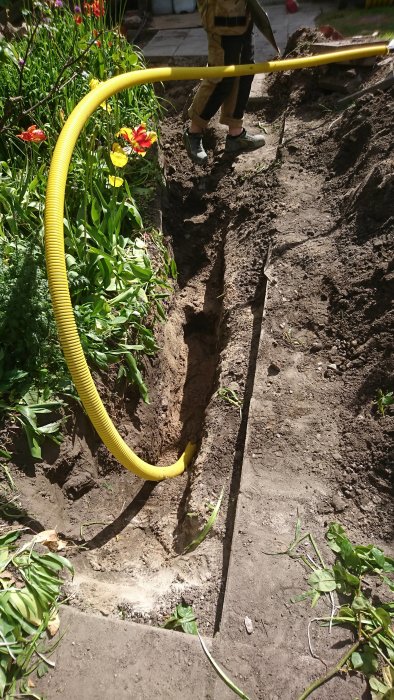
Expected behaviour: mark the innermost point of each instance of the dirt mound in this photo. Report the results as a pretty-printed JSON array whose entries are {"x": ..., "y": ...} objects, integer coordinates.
[{"x": 355, "y": 151}]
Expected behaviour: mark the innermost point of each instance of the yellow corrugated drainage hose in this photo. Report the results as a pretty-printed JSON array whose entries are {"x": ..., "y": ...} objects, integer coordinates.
[{"x": 54, "y": 235}]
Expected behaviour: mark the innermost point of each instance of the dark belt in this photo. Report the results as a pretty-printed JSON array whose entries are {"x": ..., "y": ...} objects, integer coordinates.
[{"x": 230, "y": 21}]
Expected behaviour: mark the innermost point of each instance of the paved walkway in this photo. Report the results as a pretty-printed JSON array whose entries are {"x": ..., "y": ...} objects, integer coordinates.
[{"x": 177, "y": 44}]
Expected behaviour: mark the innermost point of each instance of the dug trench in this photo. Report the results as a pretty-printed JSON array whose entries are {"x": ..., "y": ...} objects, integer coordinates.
[
  {"x": 127, "y": 538},
  {"x": 284, "y": 298}
]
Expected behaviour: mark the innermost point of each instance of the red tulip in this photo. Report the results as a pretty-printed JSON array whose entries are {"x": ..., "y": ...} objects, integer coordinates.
[
  {"x": 32, "y": 134},
  {"x": 139, "y": 138},
  {"x": 98, "y": 8}
]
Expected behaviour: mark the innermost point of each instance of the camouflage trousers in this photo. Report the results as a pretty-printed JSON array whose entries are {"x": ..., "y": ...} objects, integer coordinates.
[{"x": 230, "y": 95}]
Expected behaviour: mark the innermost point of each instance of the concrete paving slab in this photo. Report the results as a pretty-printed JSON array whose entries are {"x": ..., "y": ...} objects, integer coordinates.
[
  {"x": 181, "y": 42},
  {"x": 126, "y": 660}
]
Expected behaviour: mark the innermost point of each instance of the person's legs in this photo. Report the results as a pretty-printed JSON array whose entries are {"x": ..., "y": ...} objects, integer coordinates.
[
  {"x": 222, "y": 51},
  {"x": 234, "y": 105},
  {"x": 233, "y": 108},
  {"x": 231, "y": 94},
  {"x": 211, "y": 94}
]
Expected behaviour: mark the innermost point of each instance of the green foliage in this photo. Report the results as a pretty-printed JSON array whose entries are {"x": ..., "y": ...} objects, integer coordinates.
[
  {"x": 119, "y": 270},
  {"x": 31, "y": 585},
  {"x": 356, "y": 22},
  {"x": 27, "y": 412},
  {"x": 208, "y": 525},
  {"x": 384, "y": 401},
  {"x": 183, "y": 619},
  {"x": 354, "y": 569},
  {"x": 357, "y": 560},
  {"x": 229, "y": 396}
]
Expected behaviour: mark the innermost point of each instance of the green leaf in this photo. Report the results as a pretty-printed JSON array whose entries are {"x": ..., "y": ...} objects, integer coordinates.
[
  {"x": 315, "y": 599},
  {"x": 356, "y": 660},
  {"x": 183, "y": 618},
  {"x": 10, "y": 537},
  {"x": 388, "y": 582},
  {"x": 13, "y": 614},
  {"x": 334, "y": 533},
  {"x": 56, "y": 560},
  {"x": 4, "y": 453},
  {"x": 322, "y": 580},
  {"x": 95, "y": 211},
  {"x": 25, "y": 604},
  {"x": 50, "y": 428},
  {"x": 384, "y": 618},
  {"x": 173, "y": 269},
  {"x": 346, "y": 581},
  {"x": 301, "y": 597},
  {"x": 137, "y": 376},
  {"x": 142, "y": 273},
  {"x": 3, "y": 681},
  {"x": 207, "y": 527},
  {"x": 378, "y": 556},
  {"x": 360, "y": 603},
  {"x": 31, "y": 435},
  {"x": 42, "y": 669},
  {"x": 345, "y": 611},
  {"x": 365, "y": 661},
  {"x": 378, "y": 689}
]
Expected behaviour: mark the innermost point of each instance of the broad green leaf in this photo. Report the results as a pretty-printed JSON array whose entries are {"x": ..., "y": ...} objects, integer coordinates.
[
  {"x": 365, "y": 661},
  {"x": 322, "y": 580},
  {"x": 50, "y": 428},
  {"x": 56, "y": 560},
  {"x": 3, "y": 556},
  {"x": 142, "y": 273},
  {"x": 14, "y": 614},
  {"x": 9, "y": 537},
  {"x": 356, "y": 660},
  {"x": 25, "y": 604},
  {"x": 345, "y": 580},
  {"x": 42, "y": 669},
  {"x": 384, "y": 618},
  {"x": 34, "y": 446},
  {"x": 378, "y": 556},
  {"x": 360, "y": 603},
  {"x": 315, "y": 599},
  {"x": 95, "y": 211},
  {"x": 335, "y": 532},
  {"x": 378, "y": 689}
]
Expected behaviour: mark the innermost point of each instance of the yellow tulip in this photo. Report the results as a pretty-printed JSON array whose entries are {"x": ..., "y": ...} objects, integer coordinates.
[
  {"x": 95, "y": 83},
  {"x": 118, "y": 157},
  {"x": 115, "y": 181}
]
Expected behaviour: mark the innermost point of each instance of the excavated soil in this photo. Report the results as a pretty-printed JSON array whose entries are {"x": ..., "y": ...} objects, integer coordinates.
[{"x": 317, "y": 207}]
